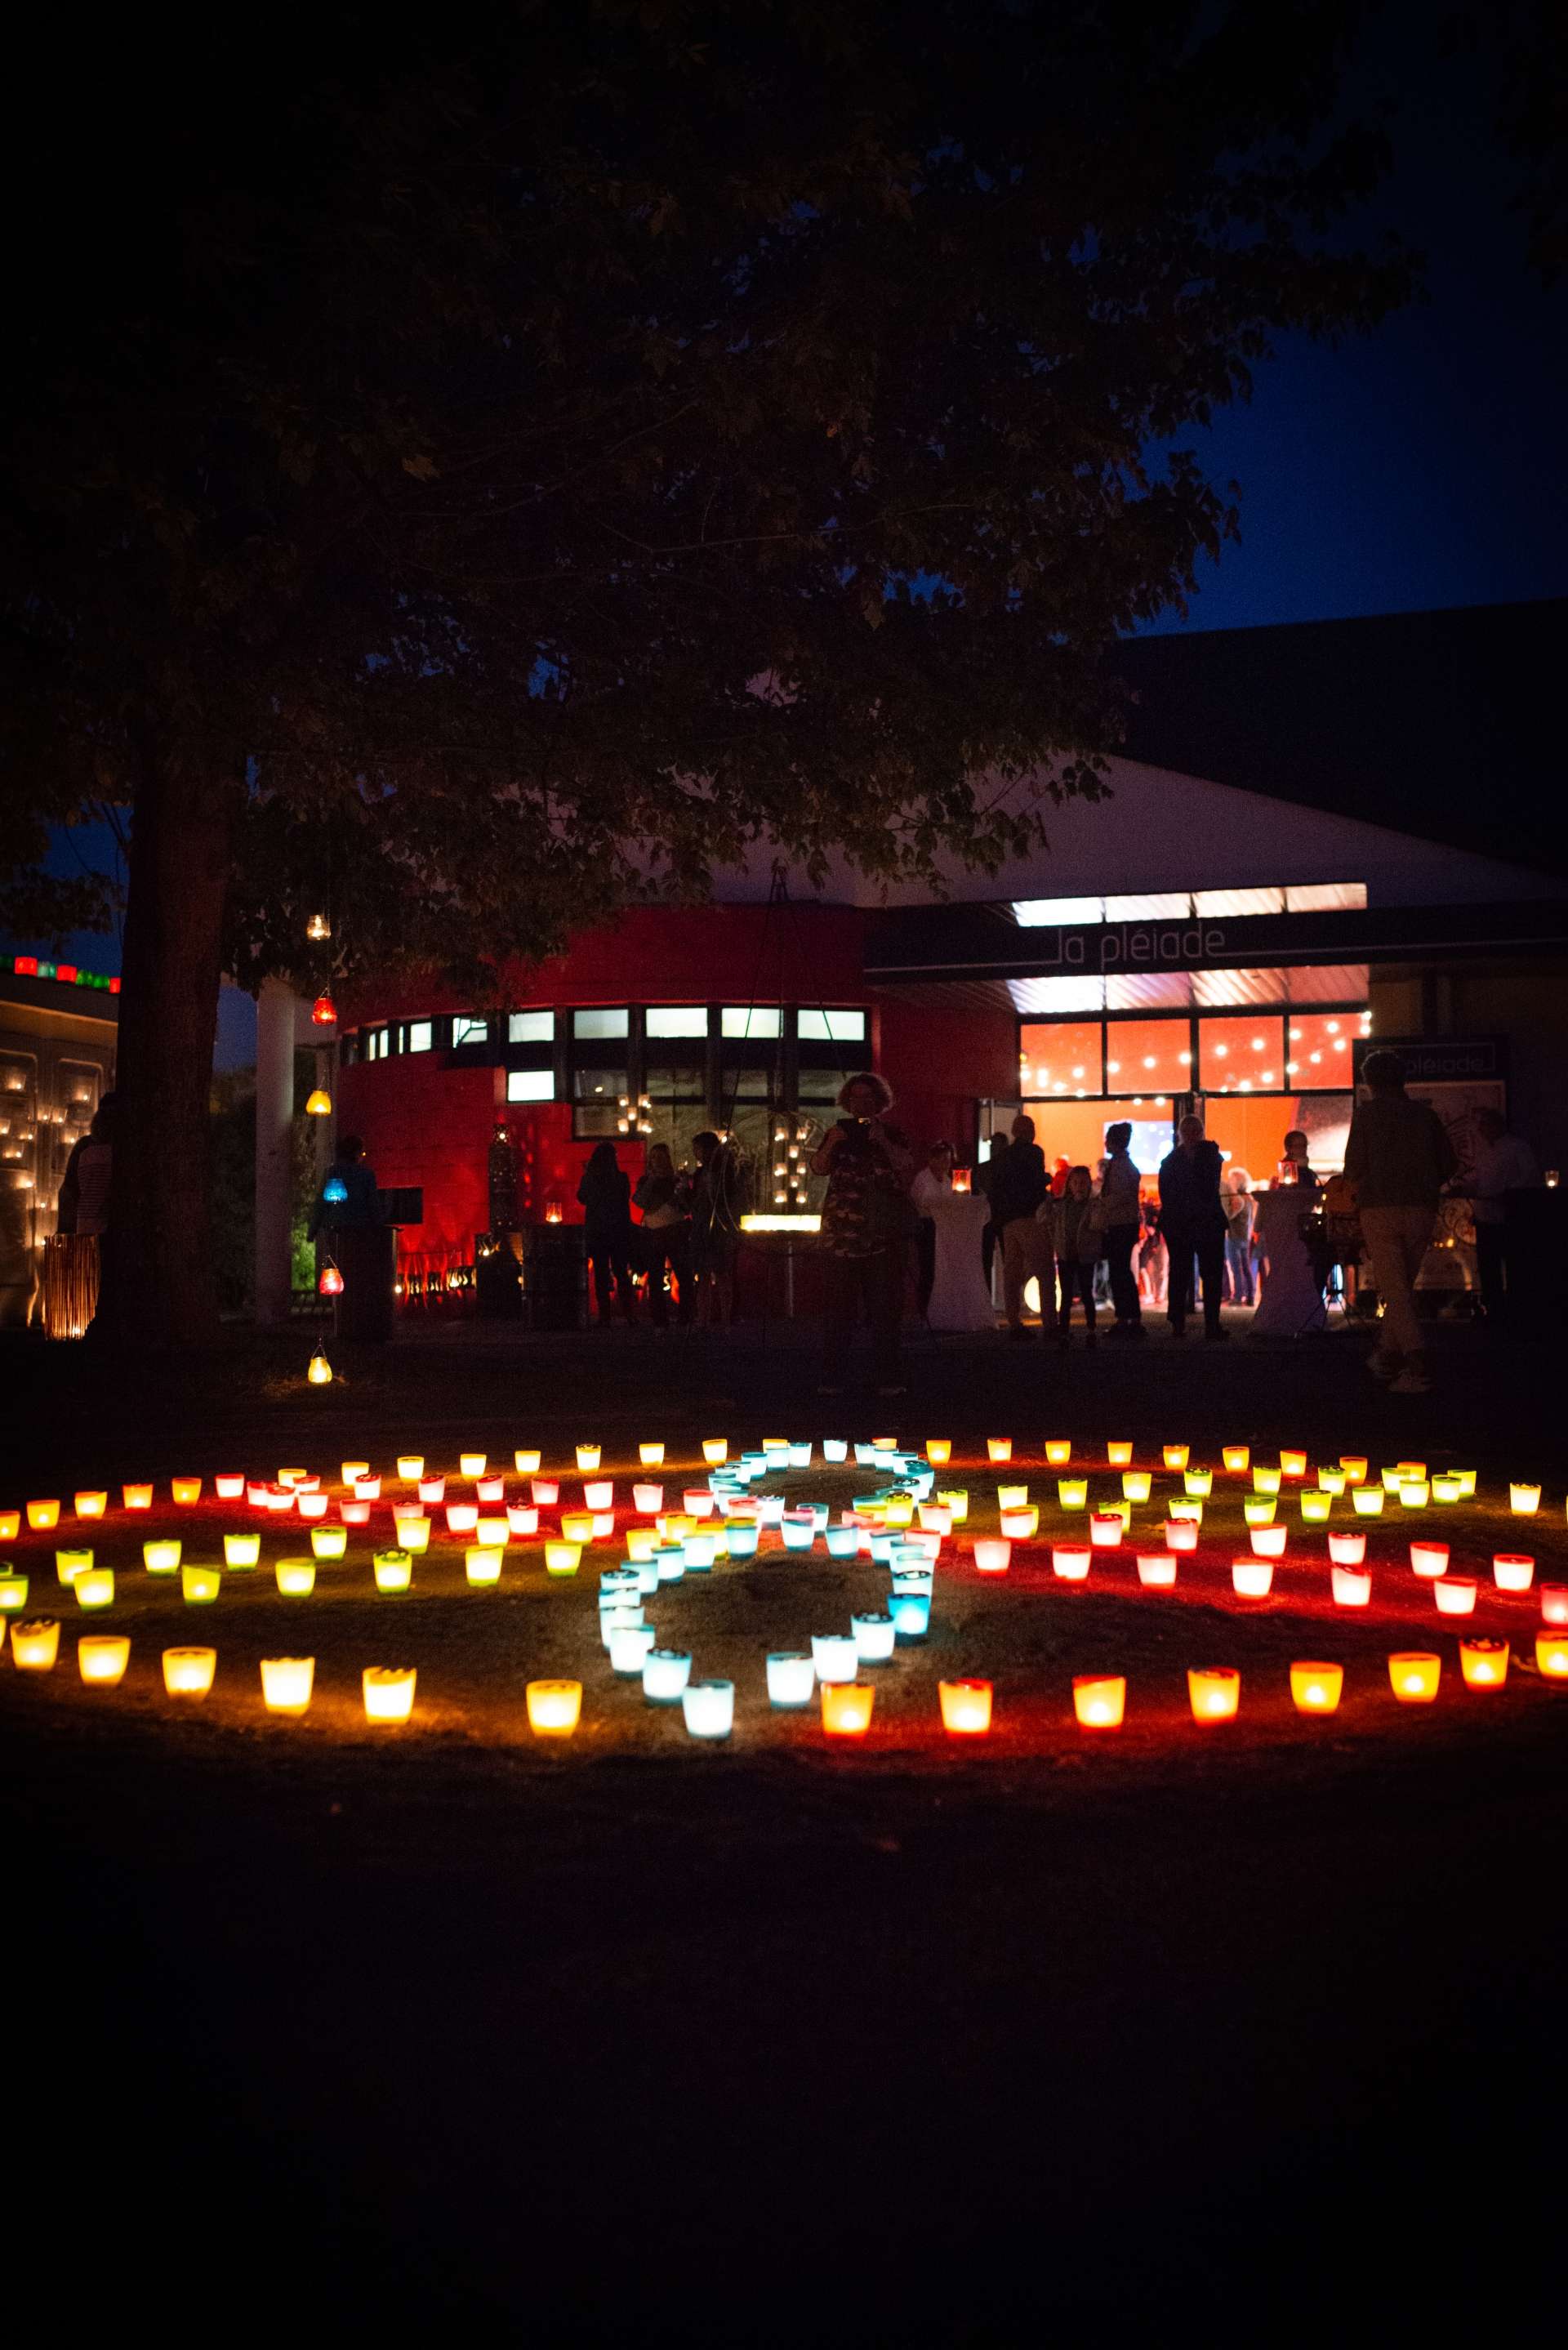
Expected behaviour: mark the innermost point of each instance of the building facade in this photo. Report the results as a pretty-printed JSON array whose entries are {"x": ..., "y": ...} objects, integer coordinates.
[{"x": 58, "y": 1027}]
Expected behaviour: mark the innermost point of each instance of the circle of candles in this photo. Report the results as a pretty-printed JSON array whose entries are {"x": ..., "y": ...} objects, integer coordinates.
[
  {"x": 1347, "y": 1549},
  {"x": 709, "y": 1708},
  {"x": 1213, "y": 1691},
  {"x": 200, "y": 1586},
  {"x": 991, "y": 1555},
  {"x": 1252, "y": 1578},
  {"x": 332, "y": 1542},
  {"x": 389, "y": 1691},
  {"x": 1512, "y": 1571},
  {"x": 393, "y": 1570},
  {"x": 86, "y": 1505},
  {"x": 1156, "y": 1570},
  {"x": 847, "y": 1708},
  {"x": 94, "y": 1588},
  {"x": 792, "y": 1679},
  {"x": 161, "y": 1557},
  {"x": 1484, "y": 1663},
  {"x": 14, "y": 1594},
  {"x": 1058, "y": 1451},
  {"x": 295, "y": 1577},
  {"x": 1455, "y": 1595},
  {"x": 102, "y": 1657},
  {"x": 1268, "y": 1541},
  {"x": 1180, "y": 1534},
  {"x": 286, "y": 1683},
  {"x": 1553, "y": 1603},
  {"x": 1551, "y": 1655},
  {"x": 1136, "y": 1485},
  {"x": 1316, "y": 1689},
  {"x": 1070, "y": 1561},
  {"x": 69, "y": 1563},
  {"x": 241, "y": 1550},
  {"x": 665, "y": 1673},
  {"x": 1414, "y": 1676},
  {"x": 1429, "y": 1558},
  {"x": 35, "y": 1644},
  {"x": 1351, "y": 1587},
  {"x": 1105, "y": 1529},
  {"x": 555, "y": 1707},
  {"x": 965, "y": 1708},
  {"x": 1099, "y": 1700},
  {"x": 1367, "y": 1500},
  {"x": 185, "y": 1491},
  {"x": 43, "y": 1516},
  {"x": 1524, "y": 1499},
  {"x": 188, "y": 1672},
  {"x": 1260, "y": 1509},
  {"x": 482, "y": 1562},
  {"x": 1236, "y": 1456}
]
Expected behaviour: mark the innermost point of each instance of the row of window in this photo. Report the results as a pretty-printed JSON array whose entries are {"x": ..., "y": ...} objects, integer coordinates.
[
  {"x": 1173, "y": 991},
  {"x": 1273, "y": 1052},
  {"x": 741, "y": 1022},
  {"x": 1188, "y": 905}
]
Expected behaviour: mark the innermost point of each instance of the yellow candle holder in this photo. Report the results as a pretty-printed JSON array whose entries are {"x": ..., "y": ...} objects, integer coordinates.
[
  {"x": 1524, "y": 1499},
  {"x": 13, "y": 1593},
  {"x": 1265, "y": 1478},
  {"x": 1355, "y": 1465},
  {"x": 1260, "y": 1509},
  {"x": 938, "y": 1451},
  {"x": 69, "y": 1563},
  {"x": 900, "y": 1510},
  {"x": 1099, "y": 1700},
  {"x": 1013, "y": 1497},
  {"x": 965, "y": 1705},
  {"x": 1414, "y": 1676},
  {"x": 1484, "y": 1663},
  {"x": 102, "y": 1657},
  {"x": 1175, "y": 1456},
  {"x": 1331, "y": 1482},
  {"x": 562, "y": 1557},
  {"x": 1119, "y": 1454},
  {"x": 1415, "y": 1493},
  {"x": 410, "y": 1467},
  {"x": 472, "y": 1464},
  {"x": 526, "y": 1460},
  {"x": 715, "y": 1450},
  {"x": 35, "y": 1645},
  {"x": 332, "y": 1542},
  {"x": 577, "y": 1525},
  {"x": 1390, "y": 1480},
  {"x": 1367, "y": 1500},
  {"x": 999, "y": 1448},
  {"x": 1073, "y": 1492},
  {"x": 1236, "y": 1456},
  {"x": 1214, "y": 1693},
  {"x": 137, "y": 1497},
  {"x": 1447, "y": 1490},
  {"x": 86, "y": 1505},
  {"x": 411, "y": 1527},
  {"x": 482, "y": 1563},
  {"x": 1466, "y": 1478},
  {"x": 1198, "y": 1484},
  {"x": 393, "y": 1569},
  {"x": 639, "y": 1543},
  {"x": 1317, "y": 1689},
  {"x": 1188, "y": 1512},
  {"x": 1058, "y": 1451},
  {"x": 1292, "y": 1464},
  {"x": 287, "y": 1683},
  {"x": 1403, "y": 1468},
  {"x": 589, "y": 1456},
  {"x": 295, "y": 1577},
  {"x": 161, "y": 1557},
  {"x": 1552, "y": 1656},
  {"x": 494, "y": 1534},
  {"x": 94, "y": 1588},
  {"x": 200, "y": 1586},
  {"x": 352, "y": 1470},
  {"x": 389, "y": 1691},
  {"x": 1316, "y": 1508},
  {"x": 957, "y": 1500},
  {"x": 43, "y": 1517},
  {"x": 188, "y": 1672},
  {"x": 242, "y": 1550},
  {"x": 1136, "y": 1485},
  {"x": 555, "y": 1707},
  {"x": 187, "y": 1491}
]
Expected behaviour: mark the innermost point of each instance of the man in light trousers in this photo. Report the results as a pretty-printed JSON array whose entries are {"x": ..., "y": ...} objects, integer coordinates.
[{"x": 1398, "y": 1157}]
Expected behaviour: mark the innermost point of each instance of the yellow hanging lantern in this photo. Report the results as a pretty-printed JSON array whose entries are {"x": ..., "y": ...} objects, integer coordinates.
[
  {"x": 320, "y": 1371},
  {"x": 319, "y": 1104}
]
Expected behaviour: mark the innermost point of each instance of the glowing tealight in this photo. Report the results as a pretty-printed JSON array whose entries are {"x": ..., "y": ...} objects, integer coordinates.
[
  {"x": 286, "y": 1683},
  {"x": 1553, "y": 1603},
  {"x": 1105, "y": 1529},
  {"x": 94, "y": 1588},
  {"x": 1070, "y": 1561},
  {"x": 462, "y": 1517},
  {"x": 651, "y": 1455},
  {"x": 393, "y": 1569},
  {"x": 1347, "y": 1549},
  {"x": 228, "y": 1488},
  {"x": 847, "y": 1708},
  {"x": 1330, "y": 1480},
  {"x": 410, "y": 1467},
  {"x": 1175, "y": 1456},
  {"x": 1415, "y": 1493},
  {"x": 792, "y": 1679},
  {"x": 473, "y": 1464},
  {"x": 1260, "y": 1509},
  {"x": 200, "y": 1586},
  {"x": 490, "y": 1489},
  {"x": 555, "y": 1707},
  {"x": 1448, "y": 1488},
  {"x": 86, "y": 1505},
  {"x": 598, "y": 1494},
  {"x": 523, "y": 1518},
  {"x": 1020, "y": 1526},
  {"x": 966, "y": 1707},
  {"x": 35, "y": 1645},
  {"x": 313, "y": 1505},
  {"x": 1136, "y": 1485},
  {"x": 544, "y": 1492},
  {"x": 1455, "y": 1596},
  {"x": 137, "y": 1497},
  {"x": 431, "y": 1491},
  {"x": 1407, "y": 1470},
  {"x": 1213, "y": 1691},
  {"x": 911, "y": 1613},
  {"x": 13, "y": 1593},
  {"x": 1484, "y": 1663},
  {"x": 1355, "y": 1466},
  {"x": 411, "y": 1527},
  {"x": 1466, "y": 1478},
  {"x": 188, "y": 1672},
  {"x": 161, "y": 1557},
  {"x": 1265, "y": 1479},
  {"x": 319, "y": 1372},
  {"x": 628, "y": 1646},
  {"x": 1073, "y": 1492},
  {"x": 1236, "y": 1456},
  {"x": 665, "y": 1673},
  {"x": 389, "y": 1691},
  {"x": 835, "y": 1656},
  {"x": 1429, "y": 1558},
  {"x": 589, "y": 1456},
  {"x": 1156, "y": 1570},
  {"x": 562, "y": 1557},
  {"x": 186, "y": 1490},
  {"x": 295, "y": 1577},
  {"x": 350, "y": 1472},
  {"x": 1292, "y": 1464},
  {"x": 1013, "y": 1497},
  {"x": 1268, "y": 1541},
  {"x": 1351, "y": 1587},
  {"x": 1252, "y": 1578},
  {"x": 992, "y": 1555},
  {"x": 482, "y": 1562},
  {"x": 1180, "y": 1534},
  {"x": 1512, "y": 1571},
  {"x": 1414, "y": 1676},
  {"x": 1198, "y": 1484},
  {"x": 1316, "y": 1507},
  {"x": 938, "y": 1451},
  {"x": 1118, "y": 1452},
  {"x": 936, "y": 1518},
  {"x": 354, "y": 1513},
  {"x": 709, "y": 1708},
  {"x": 1368, "y": 1500},
  {"x": 1058, "y": 1451},
  {"x": 1317, "y": 1689},
  {"x": 1524, "y": 1499},
  {"x": 999, "y": 1448},
  {"x": 1099, "y": 1700},
  {"x": 1551, "y": 1655},
  {"x": 69, "y": 1563},
  {"x": 102, "y": 1657},
  {"x": 43, "y": 1516}
]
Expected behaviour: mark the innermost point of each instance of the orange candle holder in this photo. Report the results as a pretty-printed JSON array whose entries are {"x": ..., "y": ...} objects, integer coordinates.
[
  {"x": 43, "y": 1516},
  {"x": 137, "y": 1497},
  {"x": 1214, "y": 1693},
  {"x": 555, "y": 1707},
  {"x": 966, "y": 1707},
  {"x": 186, "y": 1490},
  {"x": 1317, "y": 1689},
  {"x": 1413, "y": 1675},
  {"x": 86, "y": 1505},
  {"x": 1355, "y": 1465},
  {"x": 1552, "y": 1656},
  {"x": 999, "y": 1448},
  {"x": 1236, "y": 1456},
  {"x": 1119, "y": 1454},
  {"x": 938, "y": 1451},
  {"x": 1175, "y": 1456},
  {"x": 1292, "y": 1464},
  {"x": 1484, "y": 1663},
  {"x": 1099, "y": 1700},
  {"x": 1058, "y": 1451},
  {"x": 847, "y": 1708}
]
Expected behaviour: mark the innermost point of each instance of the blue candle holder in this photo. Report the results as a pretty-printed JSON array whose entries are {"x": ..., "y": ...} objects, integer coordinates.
[
  {"x": 665, "y": 1673},
  {"x": 911, "y": 1613}
]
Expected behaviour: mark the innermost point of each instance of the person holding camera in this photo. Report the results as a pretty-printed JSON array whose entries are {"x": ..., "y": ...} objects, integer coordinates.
[{"x": 866, "y": 1225}]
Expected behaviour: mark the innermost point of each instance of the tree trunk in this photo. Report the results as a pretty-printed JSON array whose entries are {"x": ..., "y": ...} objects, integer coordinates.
[{"x": 159, "y": 1288}]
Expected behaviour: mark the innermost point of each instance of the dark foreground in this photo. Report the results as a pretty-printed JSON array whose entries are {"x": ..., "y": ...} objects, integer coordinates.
[{"x": 655, "y": 2051}]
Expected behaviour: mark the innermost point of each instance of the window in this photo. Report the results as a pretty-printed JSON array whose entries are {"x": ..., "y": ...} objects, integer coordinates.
[
  {"x": 1144, "y": 1057},
  {"x": 530, "y": 1085},
  {"x": 1164, "y": 906},
  {"x": 375, "y": 1045},
  {"x": 599, "y": 1023},
  {"x": 831, "y": 1027},
  {"x": 419, "y": 1033},
  {"x": 1327, "y": 982},
  {"x": 1217, "y": 987},
  {"x": 1047, "y": 995},
  {"x": 530, "y": 1027},
  {"x": 1062, "y": 1059},
  {"x": 677, "y": 1020},
  {"x": 596, "y": 1097},
  {"x": 750, "y": 1019},
  {"x": 468, "y": 1030},
  {"x": 1320, "y": 897},
  {"x": 1320, "y": 1048},
  {"x": 1242, "y": 1057},
  {"x": 1052, "y": 913},
  {"x": 1148, "y": 991},
  {"x": 1219, "y": 903}
]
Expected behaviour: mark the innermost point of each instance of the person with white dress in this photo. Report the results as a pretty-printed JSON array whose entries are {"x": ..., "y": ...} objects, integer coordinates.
[{"x": 960, "y": 1298}]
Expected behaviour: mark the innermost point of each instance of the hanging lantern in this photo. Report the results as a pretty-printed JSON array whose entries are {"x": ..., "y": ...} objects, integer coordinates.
[
  {"x": 324, "y": 1012},
  {"x": 320, "y": 1371},
  {"x": 318, "y": 928},
  {"x": 319, "y": 1104},
  {"x": 331, "y": 1281}
]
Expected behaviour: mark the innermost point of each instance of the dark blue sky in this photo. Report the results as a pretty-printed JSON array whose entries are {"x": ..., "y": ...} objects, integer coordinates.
[{"x": 1417, "y": 466}]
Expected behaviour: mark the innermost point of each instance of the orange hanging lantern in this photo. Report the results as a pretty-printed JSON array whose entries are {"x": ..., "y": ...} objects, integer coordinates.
[
  {"x": 331, "y": 1281},
  {"x": 324, "y": 1012}
]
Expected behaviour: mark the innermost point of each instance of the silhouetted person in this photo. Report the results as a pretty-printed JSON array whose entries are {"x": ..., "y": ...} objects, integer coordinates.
[
  {"x": 605, "y": 1197},
  {"x": 1398, "y": 1157},
  {"x": 1192, "y": 1220}
]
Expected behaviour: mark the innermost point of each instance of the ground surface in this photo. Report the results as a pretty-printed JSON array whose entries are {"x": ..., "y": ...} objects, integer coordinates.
[{"x": 1186, "y": 2030}]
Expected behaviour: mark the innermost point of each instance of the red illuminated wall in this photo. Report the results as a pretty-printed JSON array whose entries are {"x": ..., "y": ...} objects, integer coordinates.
[{"x": 940, "y": 1064}]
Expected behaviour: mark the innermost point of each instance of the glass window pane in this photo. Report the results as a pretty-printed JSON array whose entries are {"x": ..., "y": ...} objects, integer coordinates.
[
  {"x": 750, "y": 1019},
  {"x": 1151, "y": 991},
  {"x": 530, "y": 1085},
  {"x": 831, "y": 1027},
  {"x": 599, "y": 1086},
  {"x": 1205, "y": 902},
  {"x": 820, "y": 1088},
  {"x": 1328, "y": 983},
  {"x": 1319, "y": 896},
  {"x": 1062, "y": 1059},
  {"x": 1047, "y": 995},
  {"x": 530, "y": 1027},
  {"x": 1049, "y": 913},
  {"x": 1164, "y": 906},
  {"x": 1148, "y": 1057},
  {"x": 467, "y": 1030},
  {"x": 1321, "y": 1047},
  {"x": 676, "y": 1020},
  {"x": 1217, "y": 987},
  {"x": 1242, "y": 1057},
  {"x": 419, "y": 1036},
  {"x": 599, "y": 1023},
  {"x": 678, "y": 1081}
]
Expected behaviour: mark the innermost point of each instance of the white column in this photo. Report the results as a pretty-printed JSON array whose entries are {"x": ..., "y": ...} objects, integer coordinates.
[{"x": 275, "y": 1011}]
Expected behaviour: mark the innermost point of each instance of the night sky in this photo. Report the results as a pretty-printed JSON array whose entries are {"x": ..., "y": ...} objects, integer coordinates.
[{"x": 1419, "y": 466}]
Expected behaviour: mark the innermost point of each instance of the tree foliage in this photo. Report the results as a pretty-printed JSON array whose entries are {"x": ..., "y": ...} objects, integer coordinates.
[{"x": 481, "y": 476}]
